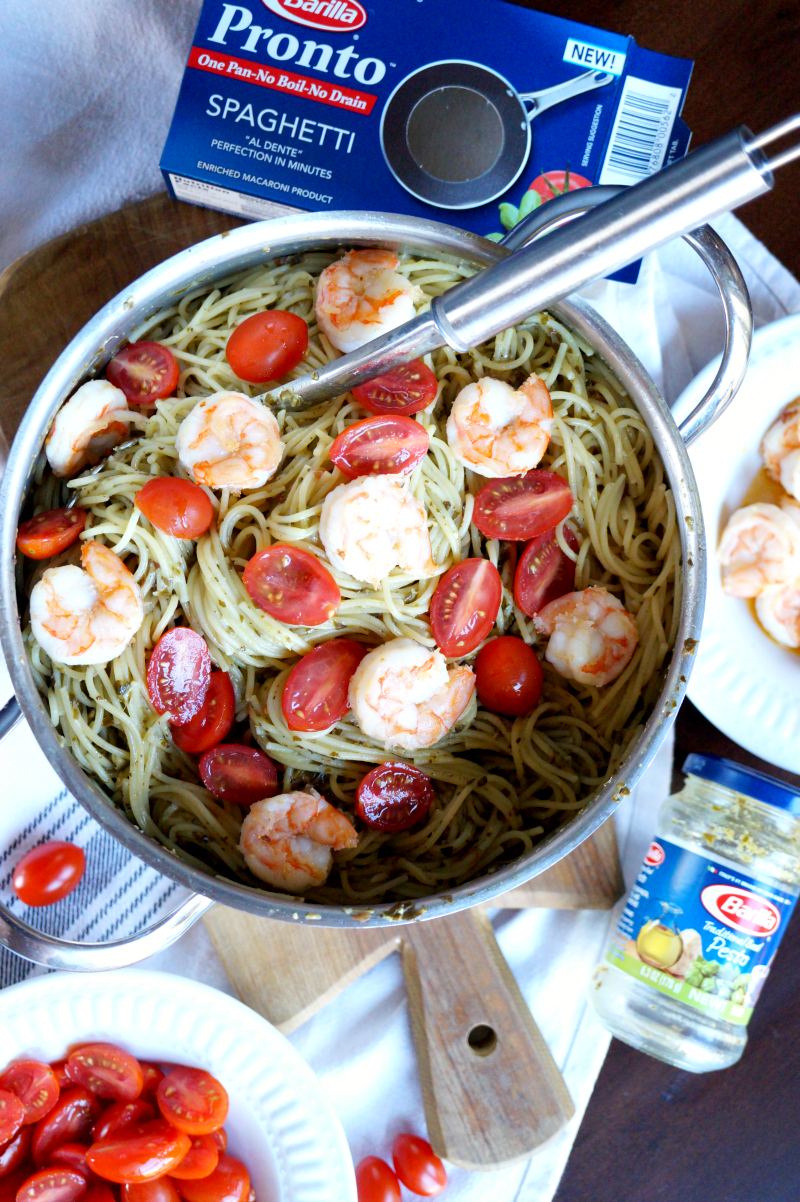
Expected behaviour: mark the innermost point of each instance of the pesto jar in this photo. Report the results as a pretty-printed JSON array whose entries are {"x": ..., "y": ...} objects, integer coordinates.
[{"x": 700, "y": 927}]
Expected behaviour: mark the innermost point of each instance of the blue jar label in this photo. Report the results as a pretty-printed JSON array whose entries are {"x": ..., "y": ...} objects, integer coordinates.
[{"x": 701, "y": 932}]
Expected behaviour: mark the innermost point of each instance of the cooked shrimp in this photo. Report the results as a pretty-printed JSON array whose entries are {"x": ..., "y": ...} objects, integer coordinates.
[
  {"x": 759, "y": 546},
  {"x": 500, "y": 431},
  {"x": 404, "y": 696},
  {"x": 780, "y": 449},
  {"x": 230, "y": 441},
  {"x": 778, "y": 610},
  {"x": 93, "y": 421},
  {"x": 592, "y": 635},
  {"x": 287, "y": 840},
  {"x": 375, "y": 524},
  {"x": 86, "y": 615},
  {"x": 362, "y": 296}
]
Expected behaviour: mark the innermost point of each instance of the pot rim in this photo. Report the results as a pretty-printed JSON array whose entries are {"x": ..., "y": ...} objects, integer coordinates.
[{"x": 225, "y": 254}]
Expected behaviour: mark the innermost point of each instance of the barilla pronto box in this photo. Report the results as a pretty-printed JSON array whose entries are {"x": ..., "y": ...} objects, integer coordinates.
[{"x": 469, "y": 111}]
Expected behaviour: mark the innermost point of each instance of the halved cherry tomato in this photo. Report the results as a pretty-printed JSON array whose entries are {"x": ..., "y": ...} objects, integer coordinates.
[
  {"x": 152, "y": 1075},
  {"x": 60, "y": 1074},
  {"x": 522, "y": 507},
  {"x": 51, "y": 532},
  {"x": 291, "y": 585},
  {"x": 179, "y": 674},
  {"x": 220, "y": 1138},
  {"x": 12, "y": 1115},
  {"x": 72, "y": 1156},
  {"x": 508, "y": 676},
  {"x": 15, "y": 1152},
  {"x": 98, "y": 1191},
  {"x": 380, "y": 446},
  {"x": 121, "y": 1115},
  {"x": 418, "y": 1166},
  {"x": 48, "y": 873},
  {"x": 239, "y": 774},
  {"x": 199, "y": 1161},
  {"x": 267, "y": 345},
  {"x": 230, "y": 1182},
  {"x": 376, "y": 1181},
  {"x": 106, "y": 1071},
  {"x": 176, "y": 506},
  {"x": 214, "y": 720},
  {"x": 12, "y": 1181},
  {"x": 544, "y": 572},
  {"x": 465, "y": 606},
  {"x": 394, "y": 796},
  {"x": 139, "y": 1153},
  {"x": 70, "y": 1121},
  {"x": 160, "y": 1189},
  {"x": 145, "y": 371},
  {"x": 57, "y": 1184},
  {"x": 192, "y": 1100},
  {"x": 403, "y": 390},
  {"x": 315, "y": 693},
  {"x": 34, "y": 1083}
]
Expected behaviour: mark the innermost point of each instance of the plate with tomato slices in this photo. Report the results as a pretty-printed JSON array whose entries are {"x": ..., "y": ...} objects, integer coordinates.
[{"x": 220, "y": 1060}]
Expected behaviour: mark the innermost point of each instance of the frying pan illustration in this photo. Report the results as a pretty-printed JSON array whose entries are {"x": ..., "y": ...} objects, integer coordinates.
[{"x": 457, "y": 134}]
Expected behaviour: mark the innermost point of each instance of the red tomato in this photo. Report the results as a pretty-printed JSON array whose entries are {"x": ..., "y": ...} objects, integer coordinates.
[
  {"x": 380, "y": 446},
  {"x": 465, "y": 606},
  {"x": 556, "y": 183},
  {"x": 72, "y": 1156},
  {"x": 34, "y": 1083},
  {"x": 267, "y": 345},
  {"x": 315, "y": 694},
  {"x": 192, "y": 1100},
  {"x": 418, "y": 1166},
  {"x": 230, "y": 1182},
  {"x": 12, "y": 1115},
  {"x": 145, "y": 371},
  {"x": 60, "y": 1073},
  {"x": 70, "y": 1121},
  {"x": 508, "y": 676},
  {"x": 56, "y": 1184},
  {"x": 15, "y": 1152},
  {"x": 394, "y": 796},
  {"x": 291, "y": 585},
  {"x": 121, "y": 1115},
  {"x": 160, "y": 1189},
  {"x": 106, "y": 1071},
  {"x": 239, "y": 774},
  {"x": 48, "y": 873},
  {"x": 179, "y": 674},
  {"x": 152, "y": 1075},
  {"x": 544, "y": 572},
  {"x": 139, "y": 1153},
  {"x": 406, "y": 389},
  {"x": 375, "y": 1181},
  {"x": 214, "y": 720},
  {"x": 176, "y": 506},
  {"x": 220, "y": 1138},
  {"x": 11, "y": 1183},
  {"x": 51, "y": 532},
  {"x": 523, "y": 506},
  {"x": 199, "y": 1161},
  {"x": 98, "y": 1191}
]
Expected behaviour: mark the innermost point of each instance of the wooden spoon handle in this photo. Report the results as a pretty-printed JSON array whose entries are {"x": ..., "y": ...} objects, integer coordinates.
[{"x": 492, "y": 1091}]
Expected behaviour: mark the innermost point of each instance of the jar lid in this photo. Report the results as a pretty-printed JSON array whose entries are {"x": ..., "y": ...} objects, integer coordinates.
[{"x": 744, "y": 780}]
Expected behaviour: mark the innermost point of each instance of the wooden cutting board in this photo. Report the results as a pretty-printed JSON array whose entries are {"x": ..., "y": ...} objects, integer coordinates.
[{"x": 492, "y": 1091}]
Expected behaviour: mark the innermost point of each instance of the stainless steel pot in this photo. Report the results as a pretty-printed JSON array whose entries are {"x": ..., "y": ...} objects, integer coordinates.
[{"x": 245, "y": 247}]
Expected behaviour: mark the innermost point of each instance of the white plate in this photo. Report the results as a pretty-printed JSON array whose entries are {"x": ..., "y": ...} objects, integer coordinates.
[
  {"x": 743, "y": 681},
  {"x": 280, "y": 1124}
]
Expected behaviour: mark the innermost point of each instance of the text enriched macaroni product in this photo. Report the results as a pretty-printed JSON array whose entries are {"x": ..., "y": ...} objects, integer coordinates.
[{"x": 700, "y": 929}]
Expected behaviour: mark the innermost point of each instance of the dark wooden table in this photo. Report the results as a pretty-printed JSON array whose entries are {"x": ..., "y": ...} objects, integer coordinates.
[{"x": 652, "y": 1132}]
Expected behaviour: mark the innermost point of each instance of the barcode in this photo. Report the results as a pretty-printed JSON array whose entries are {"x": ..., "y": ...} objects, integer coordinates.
[{"x": 641, "y": 131}]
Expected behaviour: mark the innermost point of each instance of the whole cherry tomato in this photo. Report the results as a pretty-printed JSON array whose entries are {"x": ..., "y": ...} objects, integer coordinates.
[
  {"x": 418, "y": 1166},
  {"x": 51, "y": 532},
  {"x": 176, "y": 506},
  {"x": 192, "y": 1100},
  {"x": 315, "y": 693},
  {"x": 139, "y": 1153},
  {"x": 152, "y": 1075},
  {"x": 48, "y": 873},
  {"x": 544, "y": 572},
  {"x": 70, "y": 1121},
  {"x": 403, "y": 390},
  {"x": 145, "y": 371},
  {"x": 57, "y": 1184},
  {"x": 522, "y": 507},
  {"x": 291, "y": 585},
  {"x": 160, "y": 1189},
  {"x": 179, "y": 674},
  {"x": 465, "y": 606},
  {"x": 508, "y": 676},
  {"x": 199, "y": 1161},
  {"x": 121, "y": 1115},
  {"x": 267, "y": 345},
  {"x": 106, "y": 1071},
  {"x": 34, "y": 1083},
  {"x": 380, "y": 446},
  {"x": 239, "y": 774},
  {"x": 394, "y": 796},
  {"x": 556, "y": 183},
  {"x": 376, "y": 1181},
  {"x": 59, "y": 1069},
  {"x": 230, "y": 1182},
  {"x": 15, "y": 1152},
  {"x": 212, "y": 722}
]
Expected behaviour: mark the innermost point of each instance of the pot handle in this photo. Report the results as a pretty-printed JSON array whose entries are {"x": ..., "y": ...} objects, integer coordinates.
[{"x": 727, "y": 276}]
